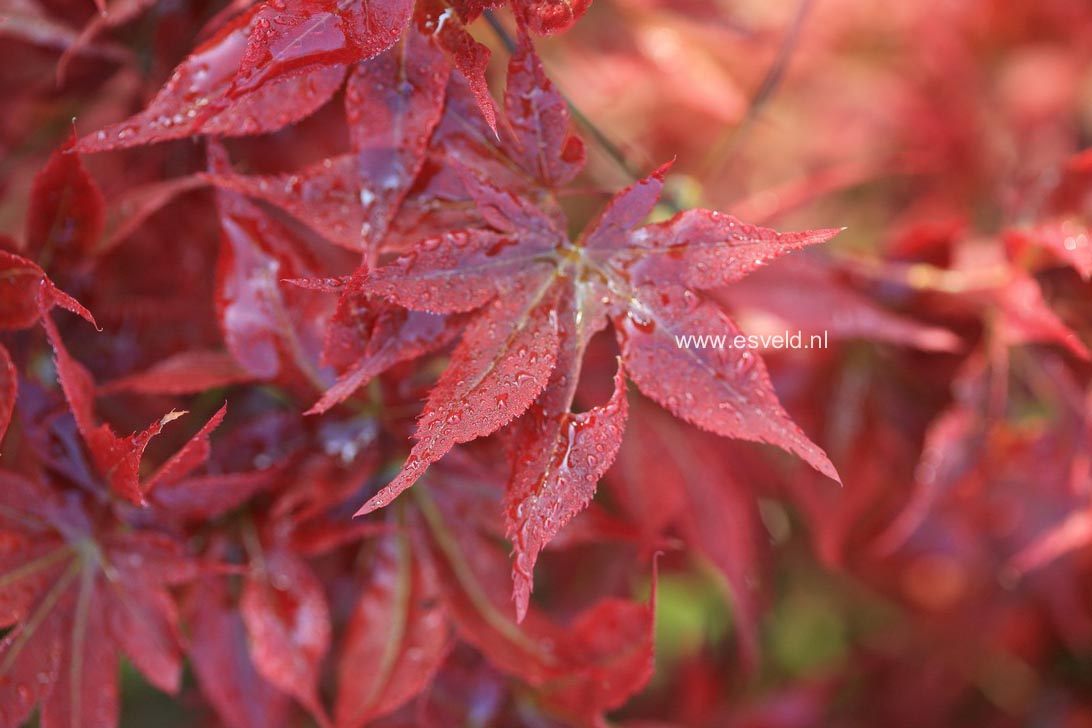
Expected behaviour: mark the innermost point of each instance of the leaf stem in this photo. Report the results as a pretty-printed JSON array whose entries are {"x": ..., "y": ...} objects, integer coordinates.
[
  {"x": 34, "y": 566},
  {"x": 41, "y": 612},
  {"x": 464, "y": 575}
]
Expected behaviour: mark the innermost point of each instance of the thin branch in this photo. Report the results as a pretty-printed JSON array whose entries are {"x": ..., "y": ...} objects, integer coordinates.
[
  {"x": 775, "y": 74},
  {"x": 502, "y": 33}
]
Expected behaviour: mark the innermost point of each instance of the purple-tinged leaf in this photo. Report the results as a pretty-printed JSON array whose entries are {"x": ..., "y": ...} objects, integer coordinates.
[
  {"x": 459, "y": 271},
  {"x": 538, "y": 117},
  {"x": 611, "y": 232},
  {"x": 721, "y": 389},
  {"x": 499, "y": 368},
  {"x": 443, "y": 22},
  {"x": 397, "y": 637},
  {"x": 237, "y": 82},
  {"x": 559, "y": 461},
  {"x": 288, "y": 621},
  {"x": 65, "y": 217},
  {"x": 186, "y": 372}
]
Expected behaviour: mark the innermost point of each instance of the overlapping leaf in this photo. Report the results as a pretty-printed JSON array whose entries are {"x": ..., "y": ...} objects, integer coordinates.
[
  {"x": 118, "y": 459},
  {"x": 66, "y": 213},
  {"x": 271, "y": 328},
  {"x": 239, "y": 81},
  {"x": 366, "y": 336},
  {"x": 25, "y": 291},
  {"x": 288, "y": 623},
  {"x": 592, "y": 665},
  {"x": 79, "y": 599},
  {"x": 219, "y": 655},
  {"x": 392, "y": 103},
  {"x": 236, "y": 82},
  {"x": 397, "y": 636}
]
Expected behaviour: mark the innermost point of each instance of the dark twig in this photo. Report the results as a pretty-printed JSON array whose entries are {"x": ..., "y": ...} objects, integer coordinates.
[
  {"x": 502, "y": 33},
  {"x": 775, "y": 74}
]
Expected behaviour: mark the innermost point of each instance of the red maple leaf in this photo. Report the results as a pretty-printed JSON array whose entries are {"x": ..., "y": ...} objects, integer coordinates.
[
  {"x": 81, "y": 589},
  {"x": 537, "y": 298}
]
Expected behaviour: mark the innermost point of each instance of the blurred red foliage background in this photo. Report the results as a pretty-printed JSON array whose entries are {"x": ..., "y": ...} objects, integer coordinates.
[{"x": 331, "y": 213}]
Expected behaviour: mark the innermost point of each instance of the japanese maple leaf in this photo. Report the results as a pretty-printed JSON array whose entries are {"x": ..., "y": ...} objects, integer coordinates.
[
  {"x": 118, "y": 459},
  {"x": 84, "y": 579},
  {"x": 533, "y": 147},
  {"x": 78, "y": 593},
  {"x": 284, "y": 610},
  {"x": 355, "y": 199},
  {"x": 25, "y": 291},
  {"x": 238, "y": 81},
  {"x": 593, "y": 664},
  {"x": 219, "y": 655},
  {"x": 366, "y": 336},
  {"x": 398, "y": 634},
  {"x": 538, "y": 298},
  {"x": 254, "y": 649},
  {"x": 446, "y": 22},
  {"x": 187, "y": 372},
  {"x": 282, "y": 602},
  {"x": 959, "y": 442},
  {"x": 1009, "y": 301},
  {"x": 269, "y": 327},
  {"x": 352, "y": 198},
  {"x": 535, "y": 151},
  {"x": 273, "y": 65},
  {"x": 66, "y": 213},
  {"x": 550, "y": 16}
]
